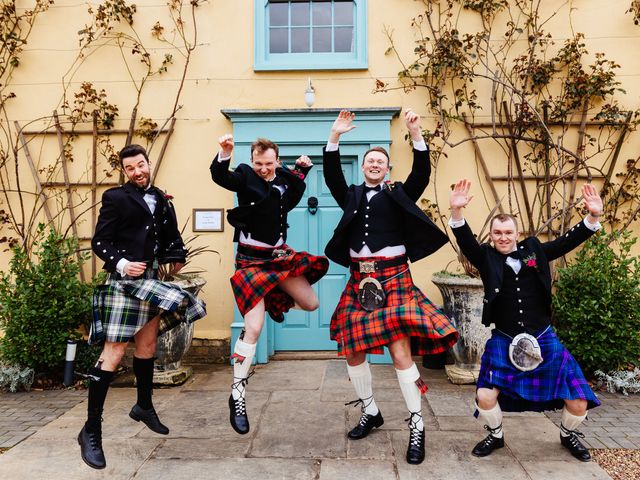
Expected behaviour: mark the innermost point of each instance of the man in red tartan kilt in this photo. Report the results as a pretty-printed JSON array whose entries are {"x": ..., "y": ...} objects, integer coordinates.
[
  {"x": 270, "y": 277},
  {"x": 524, "y": 366},
  {"x": 380, "y": 230}
]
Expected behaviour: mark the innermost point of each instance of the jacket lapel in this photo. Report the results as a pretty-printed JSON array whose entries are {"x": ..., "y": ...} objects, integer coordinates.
[{"x": 131, "y": 191}]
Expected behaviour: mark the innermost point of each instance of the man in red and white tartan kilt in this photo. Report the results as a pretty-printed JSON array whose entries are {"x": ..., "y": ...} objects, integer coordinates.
[
  {"x": 270, "y": 277},
  {"x": 380, "y": 230}
]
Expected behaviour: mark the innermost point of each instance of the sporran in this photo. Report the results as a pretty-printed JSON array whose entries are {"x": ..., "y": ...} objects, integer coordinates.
[
  {"x": 371, "y": 294},
  {"x": 524, "y": 352}
]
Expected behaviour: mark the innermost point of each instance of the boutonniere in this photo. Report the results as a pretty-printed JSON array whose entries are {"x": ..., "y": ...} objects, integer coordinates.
[
  {"x": 298, "y": 173},
  {"x": 531, "y": 261},
  {"x": 388, "y": 185}
]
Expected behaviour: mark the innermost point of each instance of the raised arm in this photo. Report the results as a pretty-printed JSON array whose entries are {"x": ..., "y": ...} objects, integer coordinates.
[
  {"x": 418, "y": 178},
  {"x": 332, "y": 169},
  {"x": 458, "y": 199},
  {"x": 219, "y": 168},
  {"x": 580, "y": 232}
]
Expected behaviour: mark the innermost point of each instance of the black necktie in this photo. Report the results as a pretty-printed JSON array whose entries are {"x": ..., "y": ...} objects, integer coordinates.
[{"x": 377, "y": 188}]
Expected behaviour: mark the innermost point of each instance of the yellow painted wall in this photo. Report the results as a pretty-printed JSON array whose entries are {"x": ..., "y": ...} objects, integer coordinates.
[{"x": 221, "y": 77}]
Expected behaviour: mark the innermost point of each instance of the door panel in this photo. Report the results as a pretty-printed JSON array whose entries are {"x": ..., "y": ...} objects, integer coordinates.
[{"x": 310, "y": 330}]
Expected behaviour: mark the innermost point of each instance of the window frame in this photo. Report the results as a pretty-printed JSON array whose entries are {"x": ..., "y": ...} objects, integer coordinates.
[{"x": 265, "y": 61}]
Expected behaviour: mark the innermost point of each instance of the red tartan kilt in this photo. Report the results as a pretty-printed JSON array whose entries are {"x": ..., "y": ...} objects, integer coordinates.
[
  {"x": 257, "y": 278},
  {"x": 406, "y": 313}
]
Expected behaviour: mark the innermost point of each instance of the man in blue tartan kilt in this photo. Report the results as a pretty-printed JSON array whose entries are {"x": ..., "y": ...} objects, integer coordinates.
[
  {"x": 136, "y": 232},
  {"x": 381, "y": 229},
  {"x": 524, "y": 365},
  {"x": 270, "y": 277}
]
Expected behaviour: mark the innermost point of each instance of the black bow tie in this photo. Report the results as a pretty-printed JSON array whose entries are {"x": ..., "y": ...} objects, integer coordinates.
[
  {"x": 377, "y": 188},
  {"x": 278, "y": 181},
  {"x": 151, "y": 190},
  {"x": 515, "y": 255}
]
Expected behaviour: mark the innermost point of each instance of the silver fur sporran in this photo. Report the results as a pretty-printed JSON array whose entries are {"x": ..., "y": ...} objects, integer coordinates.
[
  {"x": 371, "y": 294},
  {"x": 524, "y": 352}
]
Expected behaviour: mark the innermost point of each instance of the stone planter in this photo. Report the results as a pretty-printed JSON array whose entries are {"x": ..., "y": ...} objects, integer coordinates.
[
  {"x": 463, "y": 304},
  {"x": 174, "y": 344}
]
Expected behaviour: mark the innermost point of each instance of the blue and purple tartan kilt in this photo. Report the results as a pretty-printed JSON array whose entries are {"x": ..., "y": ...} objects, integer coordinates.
[
  {"x": 556, "y": 379},
  {"x": 122, "y": 307}
]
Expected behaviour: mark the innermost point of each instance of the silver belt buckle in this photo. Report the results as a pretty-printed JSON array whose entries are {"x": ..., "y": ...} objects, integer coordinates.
[
  {"x": 367, "y": 267},
  {"x": 279, "y": 252}
]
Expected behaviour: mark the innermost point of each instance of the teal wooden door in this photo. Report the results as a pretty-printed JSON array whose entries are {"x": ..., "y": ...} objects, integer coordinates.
[{"x": 310, "y": 232}]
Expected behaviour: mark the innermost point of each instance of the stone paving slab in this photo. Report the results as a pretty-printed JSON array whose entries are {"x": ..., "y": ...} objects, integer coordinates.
[{"x": 298, "y": 431}]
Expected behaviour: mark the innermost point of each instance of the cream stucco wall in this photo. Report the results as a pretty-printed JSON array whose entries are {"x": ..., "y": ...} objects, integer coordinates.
[{"x": 221, "y": 77}]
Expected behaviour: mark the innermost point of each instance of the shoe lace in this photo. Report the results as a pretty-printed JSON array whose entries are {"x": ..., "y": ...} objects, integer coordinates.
[
  {"x": 95, "y": 436},
  {"x": 572, "y": 436},
  {"x": 490, "y": 439},
  {"x": 364, "y": 403},
  {"x": 240, "y": 404},
  {"x": 415, "y": 434}
]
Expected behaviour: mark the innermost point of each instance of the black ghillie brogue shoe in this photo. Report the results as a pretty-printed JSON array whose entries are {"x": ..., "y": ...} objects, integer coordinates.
[
  {"x": 149, "y": 418},
  {"x": 238, "y": 415},
  {"x": 367, "y": 422},
  {"x": 489, "y": 444},
  {"x": 415, "y": 450},
  {"x": 91, "y": 448},
  {"x": 571, "y": 443}
]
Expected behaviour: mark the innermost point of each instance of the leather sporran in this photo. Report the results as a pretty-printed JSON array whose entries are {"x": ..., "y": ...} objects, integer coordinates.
[{"x": 371, "y": 294}]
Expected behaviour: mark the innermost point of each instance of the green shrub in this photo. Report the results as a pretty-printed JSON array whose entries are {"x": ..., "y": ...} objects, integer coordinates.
[
  {"x": 42, "y": 303},
  {"x": 597, "y": 303}
]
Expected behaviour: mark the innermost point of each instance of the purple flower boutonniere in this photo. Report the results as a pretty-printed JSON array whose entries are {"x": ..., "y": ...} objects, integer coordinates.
[{"x": 531, "y": 261}]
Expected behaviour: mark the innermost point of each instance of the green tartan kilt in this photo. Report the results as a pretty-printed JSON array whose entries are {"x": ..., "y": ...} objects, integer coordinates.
[{"x": 122, "y": 307}]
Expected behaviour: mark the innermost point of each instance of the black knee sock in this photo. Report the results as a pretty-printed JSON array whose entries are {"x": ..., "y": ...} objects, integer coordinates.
[
  {"x": 98, "y": 388},
  {"x": 143, "y": 369}
]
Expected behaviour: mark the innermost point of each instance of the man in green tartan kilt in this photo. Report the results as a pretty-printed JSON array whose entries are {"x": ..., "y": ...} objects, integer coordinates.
[
  {"x": 380, "y": 231},
  {"x": 136, "y": 231}
]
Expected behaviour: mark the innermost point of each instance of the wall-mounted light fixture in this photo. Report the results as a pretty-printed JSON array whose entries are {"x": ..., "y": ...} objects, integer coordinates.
[{"x": 309, "y": 94}]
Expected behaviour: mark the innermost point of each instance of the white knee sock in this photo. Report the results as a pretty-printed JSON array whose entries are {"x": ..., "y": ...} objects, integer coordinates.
[
  {"x": 493, "y": 419},
  {"x": 241, "y": 369},
  {"x": 570, "y": 421},
  {"x": 360, "y": 376},
  {"x": 410, "y": 391}
]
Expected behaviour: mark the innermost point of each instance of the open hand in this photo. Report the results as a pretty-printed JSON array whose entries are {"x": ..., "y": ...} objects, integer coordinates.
[
  {"x": 343, "y": 124},
  {"x": 592, "y": 200},
  {"x": 459, "y": 197}
]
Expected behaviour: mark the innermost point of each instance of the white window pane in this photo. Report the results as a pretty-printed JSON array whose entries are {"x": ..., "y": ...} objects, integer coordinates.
[
  {"x": 344, "y": 39},
  {"x": 322, "y": 39},
  {"x": 278, "y": 14},
  {"x": 278, "y": 40},
  {"x": 300, "y": 40},
  {"x": 322, "y": 13},
  {"x": 343, "y": 13},
  {"x": 300, "y": 13}
]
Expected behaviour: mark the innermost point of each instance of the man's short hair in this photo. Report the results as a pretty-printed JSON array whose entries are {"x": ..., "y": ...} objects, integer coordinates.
[
  {"x": 261, "y": 145},
  {"x": 131, "y": 151},
  {"x": 376, "y": 149},
  {"x": 503, "y": 217}
]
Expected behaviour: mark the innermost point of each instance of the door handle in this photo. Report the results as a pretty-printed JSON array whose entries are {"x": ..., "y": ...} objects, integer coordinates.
[{"x": 312, "y": 205}]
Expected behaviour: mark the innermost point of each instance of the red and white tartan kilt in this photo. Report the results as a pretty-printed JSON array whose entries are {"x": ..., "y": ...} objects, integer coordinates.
[
  {"x": 258, "y": 278},
  {"x": 406, "y": 313}
]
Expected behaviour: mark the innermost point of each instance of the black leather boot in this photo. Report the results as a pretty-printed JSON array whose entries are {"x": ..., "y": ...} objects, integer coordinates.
[
  {"x": 415, "y": 450},
  {"x": 91, "y": 448},
  {"x": 490, "y": 443},
  {"x": 149, "y": 418},
  {"x": 571, "y": 443},
  {"x": 238, "y": 408}
]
